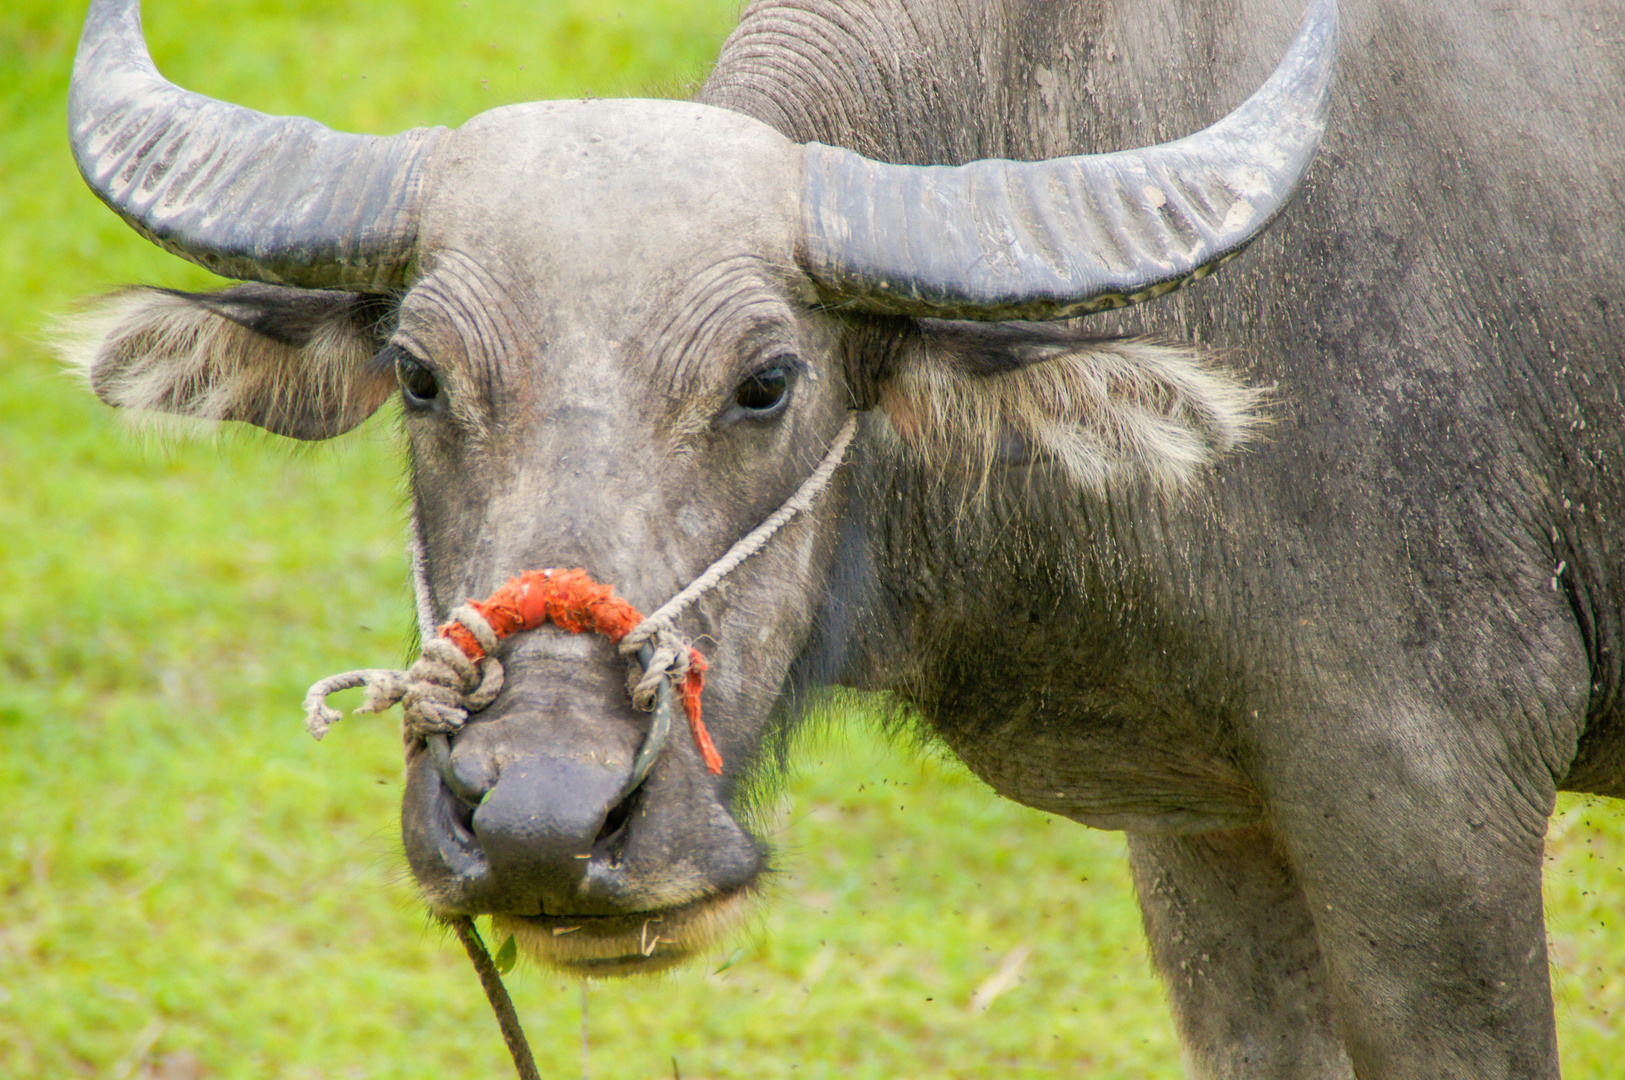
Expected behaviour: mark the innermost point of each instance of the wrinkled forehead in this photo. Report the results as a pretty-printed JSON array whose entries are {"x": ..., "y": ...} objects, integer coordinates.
[{"x": 619, "y": 195}]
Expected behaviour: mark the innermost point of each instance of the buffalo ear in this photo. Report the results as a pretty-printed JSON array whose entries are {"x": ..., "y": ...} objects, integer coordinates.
[
  {"x": 971, "y": 396},
  {"x": 296, "y": 362}
]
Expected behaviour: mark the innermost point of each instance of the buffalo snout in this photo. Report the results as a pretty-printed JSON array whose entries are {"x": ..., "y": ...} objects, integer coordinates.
[{"x": 528, "y": 815}]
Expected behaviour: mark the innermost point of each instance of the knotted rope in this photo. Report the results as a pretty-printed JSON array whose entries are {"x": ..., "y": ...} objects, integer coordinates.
[{"x": 456, "y": 675}]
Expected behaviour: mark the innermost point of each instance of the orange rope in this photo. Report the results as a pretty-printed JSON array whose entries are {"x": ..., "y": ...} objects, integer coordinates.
[{"x": 573, "y": 601}]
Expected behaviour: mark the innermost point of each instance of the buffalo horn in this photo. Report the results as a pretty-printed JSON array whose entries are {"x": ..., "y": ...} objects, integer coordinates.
[
  {"x": 276, "y": 199},
  {"x": 1053, "y": 239}
]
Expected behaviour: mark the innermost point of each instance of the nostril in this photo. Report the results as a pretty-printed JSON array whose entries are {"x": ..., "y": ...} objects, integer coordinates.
[
  {"x": 610, "y": 843},
  {"x": 467, "y": 776},
  {"x": 457, "y": 821},
  {"x": 442, "y": 841}
]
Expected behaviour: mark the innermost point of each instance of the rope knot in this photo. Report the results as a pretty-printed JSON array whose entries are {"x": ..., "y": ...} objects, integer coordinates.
[
  {"x": 456, "y": 675},
  {"x": 672, "y": 657}
]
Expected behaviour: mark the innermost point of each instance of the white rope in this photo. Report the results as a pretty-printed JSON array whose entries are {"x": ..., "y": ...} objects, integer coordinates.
[
  {"x": 441, "y": 689},
  {"x": 757, "y": 538},
  {"x": 671, "y": 651}
]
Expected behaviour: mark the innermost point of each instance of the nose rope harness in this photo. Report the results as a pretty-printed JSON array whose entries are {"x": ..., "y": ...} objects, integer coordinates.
[{"x": 456, "y": 675}]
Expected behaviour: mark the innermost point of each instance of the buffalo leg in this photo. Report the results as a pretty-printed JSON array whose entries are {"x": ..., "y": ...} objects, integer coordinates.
[
  {"x": 1423, "y": 878},
  {"x": 1235, "y": 944}
]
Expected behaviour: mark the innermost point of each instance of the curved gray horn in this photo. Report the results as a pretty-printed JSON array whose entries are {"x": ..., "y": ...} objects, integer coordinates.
[
  {"x": 276, "y": 199},
  {"x": 1064, "y": 237}
]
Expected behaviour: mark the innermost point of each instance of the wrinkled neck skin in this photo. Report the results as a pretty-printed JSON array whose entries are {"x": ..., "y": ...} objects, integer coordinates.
[
  {"x": 1050, "y": 636},
  {"x": 930, "y": 82}
]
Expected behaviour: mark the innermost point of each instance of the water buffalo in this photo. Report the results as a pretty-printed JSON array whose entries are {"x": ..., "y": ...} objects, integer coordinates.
[{"x": 1308, "y": 579}]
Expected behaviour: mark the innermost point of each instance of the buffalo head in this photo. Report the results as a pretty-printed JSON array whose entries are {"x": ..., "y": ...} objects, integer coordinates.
[{"x": 623, "y": 332}]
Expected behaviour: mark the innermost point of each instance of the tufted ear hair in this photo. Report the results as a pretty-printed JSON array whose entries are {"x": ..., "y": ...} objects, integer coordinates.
[
  {"x": 296, "y": 362},
  {"x": 970, "y": 396}
]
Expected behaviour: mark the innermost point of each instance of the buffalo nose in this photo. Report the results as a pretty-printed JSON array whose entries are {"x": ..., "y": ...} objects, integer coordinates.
[
  {"x": 538, "y": 826},
  {"x": 495, "y": 829},
  {"x": 522, "y": 811}
]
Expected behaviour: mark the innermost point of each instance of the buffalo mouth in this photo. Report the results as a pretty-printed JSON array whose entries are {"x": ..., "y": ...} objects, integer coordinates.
[{"x": 641, "y": 942}]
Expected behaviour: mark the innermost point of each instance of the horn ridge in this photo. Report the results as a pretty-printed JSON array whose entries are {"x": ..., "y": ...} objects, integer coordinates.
[
  {"x": 996, "y": 239},
  {"x": 282, "y": 200}
]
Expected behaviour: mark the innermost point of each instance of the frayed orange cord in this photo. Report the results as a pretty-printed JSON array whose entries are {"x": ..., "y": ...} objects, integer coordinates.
[{"x": 573, "y": 601}]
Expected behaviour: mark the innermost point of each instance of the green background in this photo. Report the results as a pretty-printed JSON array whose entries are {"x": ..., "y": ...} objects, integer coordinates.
[{"x": 190, "y": 887}]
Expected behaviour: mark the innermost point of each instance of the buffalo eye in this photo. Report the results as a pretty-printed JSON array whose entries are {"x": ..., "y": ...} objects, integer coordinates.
[
  {"x": 420, "y": 389},
  {"x": 764, "y": 392}
]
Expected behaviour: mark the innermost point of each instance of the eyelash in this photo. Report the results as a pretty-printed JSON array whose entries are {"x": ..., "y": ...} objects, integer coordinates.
[{"x": 420, "y": 389}]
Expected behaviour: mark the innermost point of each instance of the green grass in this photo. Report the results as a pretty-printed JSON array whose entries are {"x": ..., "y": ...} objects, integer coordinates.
[{"x": 189, "y": 887}]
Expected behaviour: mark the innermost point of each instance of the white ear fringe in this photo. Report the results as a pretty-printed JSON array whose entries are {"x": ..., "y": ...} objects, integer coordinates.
[
  {"x": 161, "y": 357},
  {"x": 1104, "y": 412}
]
